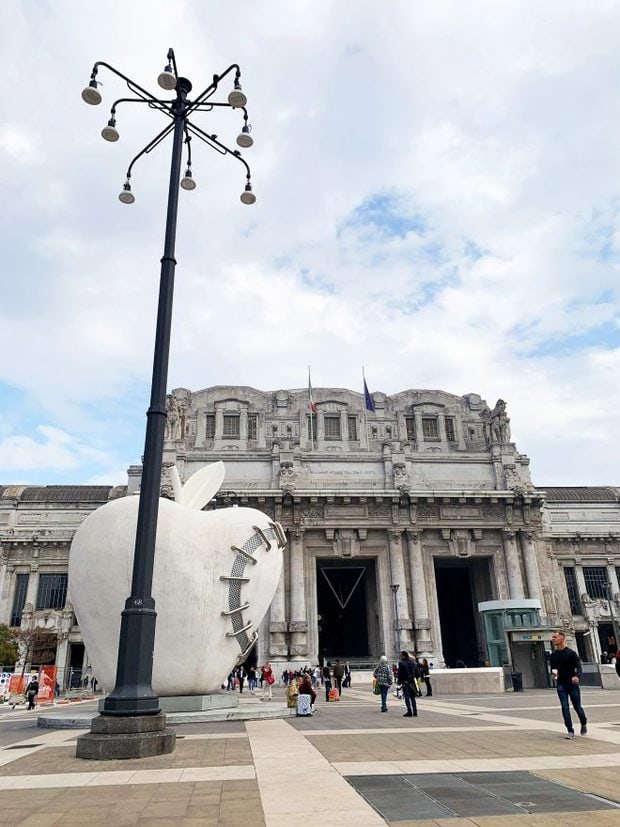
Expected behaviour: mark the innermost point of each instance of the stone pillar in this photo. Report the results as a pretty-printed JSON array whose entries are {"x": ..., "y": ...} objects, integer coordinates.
[
  {"x": 581, "y": 583},
  {"x": 513, "y": 569},
  {"x": 243, "y": 425},
  {"x": 397, "y": 567},
  {"x": 298, "y": 625},
  {"x": 422, "y": 623},
  {"x": 612, "y": 577},
  {"x": 33, "y": 586},
  {"x": 277, "y": 620},
  {"x": 219, "y": 423},
  {"x": 528, "y": 546}
]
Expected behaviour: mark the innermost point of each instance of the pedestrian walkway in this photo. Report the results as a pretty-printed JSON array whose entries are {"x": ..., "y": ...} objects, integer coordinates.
[{"x": 497, "y": 761}]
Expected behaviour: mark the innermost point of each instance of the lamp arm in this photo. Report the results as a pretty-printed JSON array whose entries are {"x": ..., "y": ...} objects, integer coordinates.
[
  {"x": 135, "y": 88},
  {"x": 223, "y": 150},
  {"x": 188, "y": 142},
  {"x": 159, "y": 105},
  {"x": 172, "y": 58},
  {"x": 150, "y": 146},
  {"x": 213, "y": 86}
]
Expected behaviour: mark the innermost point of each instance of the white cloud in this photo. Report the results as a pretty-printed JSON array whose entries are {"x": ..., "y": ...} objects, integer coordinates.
[{"x": 494, "y": 125}]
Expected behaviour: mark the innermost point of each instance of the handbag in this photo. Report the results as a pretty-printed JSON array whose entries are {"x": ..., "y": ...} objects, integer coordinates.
[
  {"x": 376, "y": 689},
  {"x": 270, "y": 679}
]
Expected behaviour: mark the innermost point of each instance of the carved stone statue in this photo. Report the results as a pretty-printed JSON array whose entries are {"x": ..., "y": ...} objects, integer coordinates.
[
  {"x": 173, "y": 419},
  {"x": 499, "y": 423}
]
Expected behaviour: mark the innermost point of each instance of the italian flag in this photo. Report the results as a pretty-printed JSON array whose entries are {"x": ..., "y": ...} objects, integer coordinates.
[{"x": 312, "y": 402}]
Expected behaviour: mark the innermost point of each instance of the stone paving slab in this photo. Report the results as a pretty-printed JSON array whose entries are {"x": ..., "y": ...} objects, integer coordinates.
[
  {"x": 453, "y": 746},
  {"x": 212, "y": 804},
  {"x": 189, "y": 753}
]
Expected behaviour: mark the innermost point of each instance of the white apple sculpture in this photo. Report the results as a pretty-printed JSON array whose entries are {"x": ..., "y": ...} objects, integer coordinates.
[{"x": 215, "y": 574}]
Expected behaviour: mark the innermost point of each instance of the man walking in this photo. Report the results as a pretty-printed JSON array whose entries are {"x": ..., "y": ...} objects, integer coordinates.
[
  {"x": 566, "y": 669},
  {"x": 407, "y": 673},
  {"x": 338, "y": 676}
]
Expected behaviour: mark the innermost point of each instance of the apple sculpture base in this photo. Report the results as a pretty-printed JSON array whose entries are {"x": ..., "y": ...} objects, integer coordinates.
[{"x": 140, "y": 736}]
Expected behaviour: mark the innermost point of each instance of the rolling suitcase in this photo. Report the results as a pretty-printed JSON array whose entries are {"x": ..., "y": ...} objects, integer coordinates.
[{"x": 304, "y": 705}]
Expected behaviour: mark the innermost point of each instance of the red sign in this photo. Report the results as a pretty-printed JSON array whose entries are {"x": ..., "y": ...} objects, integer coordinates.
[
  {"x": 47, "y": 684},
  {"x": 17, "y": 684}
]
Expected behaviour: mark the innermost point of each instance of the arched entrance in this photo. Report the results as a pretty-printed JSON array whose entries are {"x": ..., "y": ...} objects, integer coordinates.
[{"x": 346, "y": 599}]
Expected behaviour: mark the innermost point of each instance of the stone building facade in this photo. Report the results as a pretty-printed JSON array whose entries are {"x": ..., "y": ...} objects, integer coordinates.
[{"x": 413, "y": 526}]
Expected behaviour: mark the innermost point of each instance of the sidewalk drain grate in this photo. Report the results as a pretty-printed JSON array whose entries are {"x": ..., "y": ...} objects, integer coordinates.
[
  {"x": 24, "y": 746},
  {"x": 470, "y": 794}
]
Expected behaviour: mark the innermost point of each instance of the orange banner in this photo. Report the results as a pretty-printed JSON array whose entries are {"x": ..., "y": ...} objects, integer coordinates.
[
  {"x": 18, "y": 683},
  {"x": 47, "y": 684}
]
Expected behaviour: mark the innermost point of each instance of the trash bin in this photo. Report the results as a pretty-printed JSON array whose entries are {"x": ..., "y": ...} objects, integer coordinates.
[{"x": 517, "y": 681}]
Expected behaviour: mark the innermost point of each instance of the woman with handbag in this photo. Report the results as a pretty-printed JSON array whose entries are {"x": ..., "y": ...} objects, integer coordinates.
[
  {"x": 268, "y": 679},
  {"x": 383, "y": 681}
]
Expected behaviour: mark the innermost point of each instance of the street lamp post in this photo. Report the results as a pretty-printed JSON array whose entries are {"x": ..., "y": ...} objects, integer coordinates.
[
  {"x": 395, "y": 587},
  {"x": 132, "y": 708}
]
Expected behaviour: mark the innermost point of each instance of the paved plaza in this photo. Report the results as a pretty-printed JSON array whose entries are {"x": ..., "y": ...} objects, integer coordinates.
[{"x": 492, "y": 761}]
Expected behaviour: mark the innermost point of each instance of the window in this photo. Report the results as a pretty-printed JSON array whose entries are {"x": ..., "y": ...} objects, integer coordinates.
[
  {"x": 450, "y": 432},
  {"x": 52, "y": 591},
  {"x": 332, "y": 427},
  {"x": 429, "y": 427},
  {"x": 352, "y": 421},
  {"x": 596, "y": 580},
  {"x": 19, "y": 599},
  {"x": 231, "y": 426},
  {"x": 410, "y": 425},
  {"x": 252, "y": 426},
  {"x": 312, "y": 427},
  {"x": 210, "y": 426},
  {"x": 571, "y": 588}
]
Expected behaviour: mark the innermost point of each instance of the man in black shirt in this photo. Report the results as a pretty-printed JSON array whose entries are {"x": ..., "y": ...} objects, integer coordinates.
[
  {"x": 566, "y": 669},
  {"x": 407, "y": 673}
]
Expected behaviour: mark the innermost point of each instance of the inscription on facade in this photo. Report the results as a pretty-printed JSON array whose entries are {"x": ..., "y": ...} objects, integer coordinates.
[{"x": 460, "y": 512}]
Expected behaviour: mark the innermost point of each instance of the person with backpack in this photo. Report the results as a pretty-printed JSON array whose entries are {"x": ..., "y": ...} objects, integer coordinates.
[
  {"x": 32, "y": 690},
  {"x": 408, "y": 674}
]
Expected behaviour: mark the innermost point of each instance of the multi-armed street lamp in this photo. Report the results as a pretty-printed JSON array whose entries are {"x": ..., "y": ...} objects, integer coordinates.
[{"x": 125, "y": 729}]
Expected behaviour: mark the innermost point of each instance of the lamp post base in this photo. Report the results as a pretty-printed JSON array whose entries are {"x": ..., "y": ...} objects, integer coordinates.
[{"x": 139, "y": 736}]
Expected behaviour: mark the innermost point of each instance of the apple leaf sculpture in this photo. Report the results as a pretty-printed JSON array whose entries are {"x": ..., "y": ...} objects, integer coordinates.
[{"x": 215, "y": 574}]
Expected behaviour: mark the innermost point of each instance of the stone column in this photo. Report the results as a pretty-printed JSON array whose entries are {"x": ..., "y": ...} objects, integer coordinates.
[
  {"x": 33, "y": 586},
  {"x": 581, "y": 583},
  {"x": 513, "y": 569},
  {"x": 219, "y": 423},
  {"x": 243, "y": 425},
  {"x": 528, "y": 545},
  {"x": 397, "y": 567},
  {"x": 422, "y": 622},
  {"x": 612, "y": 577},
  {"x": 277, "y": 620},
  {"x": 298, "y": 625}
]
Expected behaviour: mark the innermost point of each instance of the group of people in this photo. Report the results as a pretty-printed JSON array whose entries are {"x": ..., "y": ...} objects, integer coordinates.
[
  {"x": 408, "y": 673},
  {"x": 254, "y": 676}
]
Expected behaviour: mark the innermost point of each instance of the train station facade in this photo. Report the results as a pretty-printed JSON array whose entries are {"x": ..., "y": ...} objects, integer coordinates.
[{"x": 412, "y": 522}]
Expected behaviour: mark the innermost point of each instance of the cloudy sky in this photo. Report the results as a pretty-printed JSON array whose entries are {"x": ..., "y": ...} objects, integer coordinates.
[{"x": 438, "y": 198}]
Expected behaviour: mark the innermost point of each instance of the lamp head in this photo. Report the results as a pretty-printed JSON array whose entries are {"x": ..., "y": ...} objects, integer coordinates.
[
  {"x": 126, "y": 196},
  {"x": 236, "y": 97},
  {"x": 187, "y": 182},
  {"x": 167, "y": 79},
  {"x": 247, "y": 196},
  {"x": 90, "y": 94},
  {"x": 110, "y": 132},
  {"x": 244, "y": 139}
]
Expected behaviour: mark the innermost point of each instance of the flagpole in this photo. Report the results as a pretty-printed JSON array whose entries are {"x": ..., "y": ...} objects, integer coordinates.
[{"x": 365, "y": 408}]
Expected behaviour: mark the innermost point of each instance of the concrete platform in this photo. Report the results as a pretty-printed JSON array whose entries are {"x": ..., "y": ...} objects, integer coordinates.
[{"x": 248, "y": 710}]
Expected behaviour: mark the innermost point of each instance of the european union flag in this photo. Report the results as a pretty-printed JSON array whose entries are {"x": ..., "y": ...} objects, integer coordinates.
[{"x": 370, "y": 405}]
